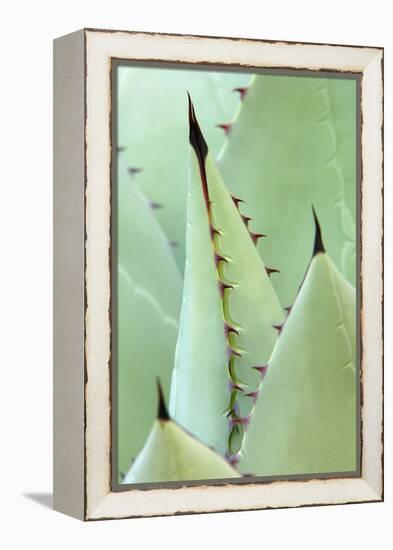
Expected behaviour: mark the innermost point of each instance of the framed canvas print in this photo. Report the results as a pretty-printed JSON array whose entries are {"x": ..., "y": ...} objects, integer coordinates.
[{"x": 218, "y": 274}]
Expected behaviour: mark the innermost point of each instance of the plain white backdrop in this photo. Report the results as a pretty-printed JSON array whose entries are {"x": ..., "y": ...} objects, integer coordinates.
[{"x": 26, "y": 274}]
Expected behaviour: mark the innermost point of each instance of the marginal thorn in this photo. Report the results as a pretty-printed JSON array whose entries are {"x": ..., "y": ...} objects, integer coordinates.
[
  {"x": 233, "y": 353},
  {"x": 243, "y": 421},
  {"x": 261, "y": 369},
  {"x": 162, "y": 413},
  {"x": 233, "y": 460},
  {"x": 223, "y": 287},
  {"x": 230, "y": 329},
  {"x": 133, "y": 171},
  {"x": 254, "y": 395},
  {"x": 288, "y": 309},
  {"x": 233, "y": 386},
  {"x": 241, "y": 91},
  {"x": 318, "y": 242},
  {"x": 214, "y": 232},
  {"x": 246, "y": 220},
  {"x": 270, "y": 270},
  {"x": 278, "y": 328},
  {"x": 256, "y": 236},
  {"x": 218, "y": 258},
  {"x": 155, "y": 205},
  {"x": 225, "y": 126},
  {"x": 236, "y": 200}
]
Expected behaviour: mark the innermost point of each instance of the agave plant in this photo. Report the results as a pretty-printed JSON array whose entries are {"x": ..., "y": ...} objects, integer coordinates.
[{"x": 263, "y": 377}]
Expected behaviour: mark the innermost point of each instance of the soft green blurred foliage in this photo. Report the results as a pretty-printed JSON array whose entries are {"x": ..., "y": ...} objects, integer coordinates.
[
  {"x": 305, "y": 418},
  {"x": 292, "y": 144},
  {"x": 148, "y": 305},
  {"x": 289, "y": 147},
  {"x": 153, "y": 126}
]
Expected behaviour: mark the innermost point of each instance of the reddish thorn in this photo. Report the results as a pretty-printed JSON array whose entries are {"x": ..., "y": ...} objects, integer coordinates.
[
  {"x": 228, "y": 328},
  {"x": 218, "y": 258},
  {"x": 254, "y": 395},
  {"x": 233, "y": 460},
  {"x": 261, "y": 369},
  {"x": 233, "y": 353},
  {"x": 226, "y": 127},
  {"x": 244, "y": 421},
  {"x": 278, "y": 328},
  {"x": 155, "y": 205},
  {"x": 256, "y": 236},
  {"x": 246, "y": 220},
  {"x": 213, "y": 231},
  {"x": 233, "y": 386},
  {"x": 270, "y": 270},
  {"x": 288, "y": 309},
  {"x": 132, "y": 171},
  {"x": 223, "y": 286},
  {"x": 241, "y": 91},
  {"x": 236, "y": 201}
]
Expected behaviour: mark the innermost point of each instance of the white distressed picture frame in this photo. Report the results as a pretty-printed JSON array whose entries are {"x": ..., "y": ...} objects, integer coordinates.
[{"x": 82, "y": 241}]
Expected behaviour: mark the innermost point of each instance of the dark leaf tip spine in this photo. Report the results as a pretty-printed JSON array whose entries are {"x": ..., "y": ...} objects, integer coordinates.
[
  {"x": 162, "y": 413},
  {"x": 318, "y": 242},
  {"x": 197, "y": 141}
]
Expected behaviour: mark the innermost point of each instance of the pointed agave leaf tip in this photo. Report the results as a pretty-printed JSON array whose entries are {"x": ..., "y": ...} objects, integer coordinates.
[
  {"x": 197, "y": 141},
  {"x": 318, "y": 242},
  {"x": 162, "y": 413}
]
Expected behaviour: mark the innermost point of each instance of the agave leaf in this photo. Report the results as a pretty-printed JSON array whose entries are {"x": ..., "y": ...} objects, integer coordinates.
[
  {"x": 342, "y": 97},
  {"x": 172, "y": 454},
  {"x": 146, "y": 348},
  {"x": 143, "y": 250},
  {"x": 305, "y": 417},
  {"x": 148, "y": 304},
  {"x": 153, "y": 130},
  {"x": 229, "y": 310},
  {"x": 282, "y": 154}
]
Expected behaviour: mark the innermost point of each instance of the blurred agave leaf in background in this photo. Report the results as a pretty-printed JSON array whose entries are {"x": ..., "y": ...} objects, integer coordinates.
[
  {"x": 148, "y": 305},
  {"x": 153, "y": 129},
  {"x": 291, "y": 145}
]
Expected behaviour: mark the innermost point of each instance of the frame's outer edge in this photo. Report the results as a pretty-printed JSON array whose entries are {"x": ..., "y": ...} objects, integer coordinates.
[
  {"x": 101, "y": 501},
  {"x": 68, "y": 243}
]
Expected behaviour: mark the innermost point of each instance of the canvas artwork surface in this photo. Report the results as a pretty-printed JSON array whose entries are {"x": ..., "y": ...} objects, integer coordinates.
[{"x": 235, "y": 317}]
